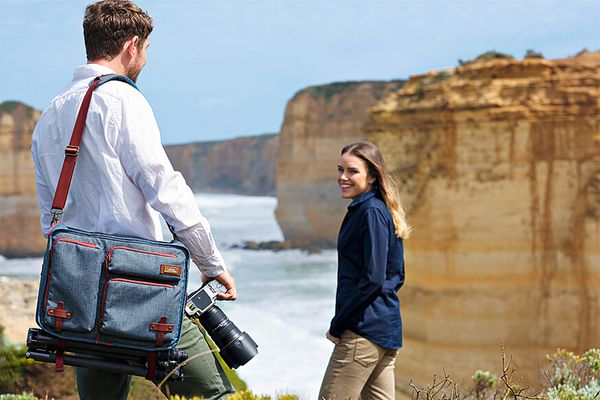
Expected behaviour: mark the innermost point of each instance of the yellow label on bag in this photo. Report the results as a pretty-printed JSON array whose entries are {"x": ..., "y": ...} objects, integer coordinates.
[{"x": 170, "y": 270}]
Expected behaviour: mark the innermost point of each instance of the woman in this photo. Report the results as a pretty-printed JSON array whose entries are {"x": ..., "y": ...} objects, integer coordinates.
[{"x": 366, "y": 328}]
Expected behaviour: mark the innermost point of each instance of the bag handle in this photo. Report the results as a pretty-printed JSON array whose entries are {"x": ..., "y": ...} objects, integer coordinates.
[{"x": 72, "y": 149}]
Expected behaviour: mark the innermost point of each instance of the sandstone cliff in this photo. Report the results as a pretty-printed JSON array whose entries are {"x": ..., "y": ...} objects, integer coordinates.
[
  {"x": 499, "y": 166},
  {"x": 20, "y": 233},
  {"x": 245, "y": 165},
  {"x": 319, "y": 121}
]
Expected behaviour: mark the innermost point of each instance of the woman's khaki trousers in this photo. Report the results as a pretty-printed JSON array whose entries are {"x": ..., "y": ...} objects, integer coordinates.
[{"x": 359, "y": 369}]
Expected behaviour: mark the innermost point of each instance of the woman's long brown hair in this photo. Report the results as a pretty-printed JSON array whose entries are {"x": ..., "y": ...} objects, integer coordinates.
[{"x": 384, "y": 184}]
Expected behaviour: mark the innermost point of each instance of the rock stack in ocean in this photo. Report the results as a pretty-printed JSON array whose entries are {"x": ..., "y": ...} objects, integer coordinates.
[
  {"x": 20, "y": 233},
  {"x": 319, "y": 120}
]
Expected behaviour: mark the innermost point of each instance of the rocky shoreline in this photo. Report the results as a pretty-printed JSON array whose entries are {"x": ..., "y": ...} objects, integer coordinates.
[{"x": 17, "y": 308}]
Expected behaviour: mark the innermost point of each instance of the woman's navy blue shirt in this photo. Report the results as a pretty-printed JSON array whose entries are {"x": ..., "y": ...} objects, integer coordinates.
[{"x": 370, "y": 272}]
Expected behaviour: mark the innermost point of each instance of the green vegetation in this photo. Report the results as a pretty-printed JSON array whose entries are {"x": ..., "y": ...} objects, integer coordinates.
[
  {"x": 419, "y": 91},
  {"x": 568, "y": 377},
  {"x": 331, "y": 89},
  {"x": 533, "y": 54},
  {"x": 487, "y": 56},
  {"x": 574, "y": 377},
  {"x": 9, "y": 106},
  {"x": 22, "y": 396},
  {"x": 12, "y": 364}
]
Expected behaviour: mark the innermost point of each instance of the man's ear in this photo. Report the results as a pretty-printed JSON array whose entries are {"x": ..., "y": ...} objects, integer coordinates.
[{"x": 132, "y": 46}]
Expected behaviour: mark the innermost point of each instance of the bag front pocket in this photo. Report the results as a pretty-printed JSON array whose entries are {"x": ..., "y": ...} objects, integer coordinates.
[
  {"x": 71, "y": 294},
  {"x": 140, "y": 310},
  {"x": 162, "y": 265}
]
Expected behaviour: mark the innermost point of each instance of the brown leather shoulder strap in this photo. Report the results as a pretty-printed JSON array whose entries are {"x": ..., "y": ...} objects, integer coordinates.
[{"x": 71, "y": 153}]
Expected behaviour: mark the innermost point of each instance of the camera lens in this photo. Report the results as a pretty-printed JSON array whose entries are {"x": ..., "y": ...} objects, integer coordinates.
[{"x": 236, "y": 348}]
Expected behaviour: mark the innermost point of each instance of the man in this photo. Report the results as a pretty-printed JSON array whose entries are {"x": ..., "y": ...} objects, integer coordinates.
[{"x": 124, "y": 180}]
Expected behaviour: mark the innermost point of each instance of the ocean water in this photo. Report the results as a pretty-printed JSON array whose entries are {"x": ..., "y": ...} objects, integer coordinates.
[{"x": 286, "y": 298}]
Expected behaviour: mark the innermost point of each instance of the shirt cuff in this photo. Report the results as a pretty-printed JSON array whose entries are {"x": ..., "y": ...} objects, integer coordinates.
[
  {"x": 334, "y": 331},
  {"x": 210, "y": 266},
  {"x": 203, "y": 250}
]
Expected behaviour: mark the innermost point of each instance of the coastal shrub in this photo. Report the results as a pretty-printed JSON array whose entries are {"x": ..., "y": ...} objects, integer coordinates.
[
  {"x": 568, "y": 377},
  {"x": 487, "y": 56},
  {"x": 419, "y": 91},
  {"x": 533, "y": 54},
  {"x": 573, "y": 377},
  {"x": 12, "y": 364},
  {"x": 483, "y": 381},
  {"x": 8, "y": 106},
  {"x": 22, "y": 396}
]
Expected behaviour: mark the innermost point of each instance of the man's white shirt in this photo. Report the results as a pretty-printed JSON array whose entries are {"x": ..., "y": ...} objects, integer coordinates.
[{"x": 123, "y": 178}]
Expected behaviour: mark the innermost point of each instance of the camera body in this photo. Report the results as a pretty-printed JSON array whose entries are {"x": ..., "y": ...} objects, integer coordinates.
[
  {"x": 202, "y": 299},
  {"x": 236, "y": 347}
]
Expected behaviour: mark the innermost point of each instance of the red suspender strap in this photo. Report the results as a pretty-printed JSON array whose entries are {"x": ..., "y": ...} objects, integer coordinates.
[{"x": 71, "y": 152}]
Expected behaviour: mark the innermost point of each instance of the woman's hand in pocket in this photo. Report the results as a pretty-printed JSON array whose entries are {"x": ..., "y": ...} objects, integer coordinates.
[{"x": 332, "y": 338}]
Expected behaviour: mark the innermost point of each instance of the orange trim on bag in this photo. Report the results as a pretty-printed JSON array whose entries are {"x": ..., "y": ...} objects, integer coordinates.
[
  {"x": 138, "y": 251},
  {"x": 91, "y": 245},
  {"x": 112, "y": 249}
]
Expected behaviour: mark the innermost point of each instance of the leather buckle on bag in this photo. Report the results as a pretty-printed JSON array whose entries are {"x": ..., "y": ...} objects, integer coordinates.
[{"x": 72, "y": 150}]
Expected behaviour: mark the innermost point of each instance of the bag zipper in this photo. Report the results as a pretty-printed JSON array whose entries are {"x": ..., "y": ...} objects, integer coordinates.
[
  {"x": 91, "y": 245},
  {"x": 109, "y": 254}
]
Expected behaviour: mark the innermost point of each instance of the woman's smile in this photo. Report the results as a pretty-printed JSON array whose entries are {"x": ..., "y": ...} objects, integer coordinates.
[{"x": 353, "y": 176}]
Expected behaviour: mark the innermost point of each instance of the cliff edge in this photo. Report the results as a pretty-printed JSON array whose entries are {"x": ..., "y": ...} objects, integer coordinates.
[
  {"x": 498, "y": 163},
  {"x": 319, "y": 121},
  {"x": 20, "y": 232}
]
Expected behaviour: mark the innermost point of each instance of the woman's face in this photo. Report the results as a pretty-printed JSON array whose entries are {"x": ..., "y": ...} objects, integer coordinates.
[{"x": 353, "y": 176}]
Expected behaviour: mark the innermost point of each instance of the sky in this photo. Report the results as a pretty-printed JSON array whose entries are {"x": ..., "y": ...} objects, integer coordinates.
[{"x": 223, "y": 69}]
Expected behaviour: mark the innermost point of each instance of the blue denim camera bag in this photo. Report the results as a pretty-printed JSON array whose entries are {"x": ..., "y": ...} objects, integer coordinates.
[
  {"x": 108, "y": 289},
  {"x": 112, "y": 290}
]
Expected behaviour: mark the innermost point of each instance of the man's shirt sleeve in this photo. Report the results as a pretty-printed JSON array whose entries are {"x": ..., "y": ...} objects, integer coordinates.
[
  {"x": 147, "y": 165},
  {"x": 44, "y": 194}
]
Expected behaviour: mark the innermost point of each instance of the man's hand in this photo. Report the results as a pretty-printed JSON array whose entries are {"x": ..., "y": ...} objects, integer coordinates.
[
  {"x": 226, "y": 279},
  {"x": 332, "y": 338}
]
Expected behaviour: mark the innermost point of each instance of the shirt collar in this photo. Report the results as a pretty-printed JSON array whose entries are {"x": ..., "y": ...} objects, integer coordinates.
[
  {"x": 361, "y": 199},
  {"x": 90, "y": 71}
]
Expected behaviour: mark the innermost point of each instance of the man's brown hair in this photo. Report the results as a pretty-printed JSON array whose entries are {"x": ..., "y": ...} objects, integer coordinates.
[{"x": 108, "y": 24}]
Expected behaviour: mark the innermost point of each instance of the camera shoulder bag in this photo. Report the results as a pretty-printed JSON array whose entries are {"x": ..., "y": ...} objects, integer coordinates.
[{"x": 107, "y": 289}]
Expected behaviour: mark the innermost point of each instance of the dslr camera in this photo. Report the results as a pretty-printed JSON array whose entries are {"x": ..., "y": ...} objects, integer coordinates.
[{"x": 236, "y": 347}]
